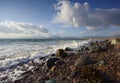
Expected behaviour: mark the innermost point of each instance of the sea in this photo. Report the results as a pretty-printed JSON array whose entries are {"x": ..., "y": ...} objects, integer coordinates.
[{"x": 13, "y": 52}]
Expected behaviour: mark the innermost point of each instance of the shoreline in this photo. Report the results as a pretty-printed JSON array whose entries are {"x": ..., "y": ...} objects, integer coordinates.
[{"x": 43, "y": 75}]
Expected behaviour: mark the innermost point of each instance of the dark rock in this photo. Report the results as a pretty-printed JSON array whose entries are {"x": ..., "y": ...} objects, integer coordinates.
[
  {"x": 68, "y": 49},
  {"x": 50, "y": 63},
  {"x": 42, "y": 58},
  {"x": 60, "y": 62},
  {"x": 52, "y": 54},
  {"x": 61, "y": 53},
  {"x": 50, "y": 81}
]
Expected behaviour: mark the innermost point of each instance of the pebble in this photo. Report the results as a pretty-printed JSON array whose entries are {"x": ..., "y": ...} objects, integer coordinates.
[
  {"x": 118, "y": 73},
  {"x": 53, "y": 68},
  {"x": 73, "y": 67},
  {"x": 101, "y": 62}
]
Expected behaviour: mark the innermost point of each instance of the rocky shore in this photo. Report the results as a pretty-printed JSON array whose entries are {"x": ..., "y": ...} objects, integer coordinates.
[{"x": 98, "y": 62}]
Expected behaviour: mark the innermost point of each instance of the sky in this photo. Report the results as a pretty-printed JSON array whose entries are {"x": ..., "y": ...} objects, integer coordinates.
[{"x": 59, "y": 18}]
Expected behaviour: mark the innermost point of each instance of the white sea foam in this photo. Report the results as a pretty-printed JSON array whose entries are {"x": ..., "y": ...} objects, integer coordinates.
[{"x": 13, "y": 54}]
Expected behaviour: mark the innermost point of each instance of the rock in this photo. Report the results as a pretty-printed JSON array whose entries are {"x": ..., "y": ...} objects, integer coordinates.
[
  {"x": 53, "y": 68},
  {"x": 49, "y": 73},
  {"x": 101, "y": 62},
  {"x": 60, "y": 62},
  {"x": 118, "y": 73},
  {"x": 68, "y": 49},
  {"x": 72, "y": 75},
  {"x": 61, "y": 53},
  {"x": 115, "y": 41},
  {"x": 3, "y": 77},
  {"x": 50, "y": 81},
  {"x": 31, "y": 63},
  {"x": 83, "y": 60},
  {"x": 72, "y": 67},
  {"x": 118, "y": 54},
  {"x": 50, "y": 63},
  {"x": 52, "y": 54},
  {"x": 94, "y": 47},
  {"x": 103, "y": 68},
  {"x": 42, "y": 58}
]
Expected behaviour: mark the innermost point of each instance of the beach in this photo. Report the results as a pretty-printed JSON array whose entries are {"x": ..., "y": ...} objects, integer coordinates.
[
  {"x": 60, "y": 41},
  {"x": 98, "y": 65}
]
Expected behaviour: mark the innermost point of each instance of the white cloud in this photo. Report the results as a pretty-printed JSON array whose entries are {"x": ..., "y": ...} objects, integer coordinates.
[
  {"x": 10, "y": 29},
  {"x": 80, "y": 15},
  {"x": 60, "y": 33},
  {"x": 83, "y": 32},
  {"x": 115, "y": 33}
]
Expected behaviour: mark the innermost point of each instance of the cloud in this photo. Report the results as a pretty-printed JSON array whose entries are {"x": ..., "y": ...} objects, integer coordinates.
[
  {"x": 115, "y": 33},
  {"x": 10, "y": 29},
  {"x": 80, "y": 15},
  {"x": 83, "y": 32},
  {"x": 60, "y": 33}
]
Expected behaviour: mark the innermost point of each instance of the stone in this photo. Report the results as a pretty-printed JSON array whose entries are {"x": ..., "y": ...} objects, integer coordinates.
[
  {"x": 50, "y": 63},
  {"x": 72, "y": 67},
  {"x": 72, "y": 75},
  {"x": 101, "y": 62},
  {"x": 52, "y": 54},
  {"x": 83, "y": 60},
  {"x": 115, "y": 41},
  {"x": 53, "y": 68},
  {"x": 60, "y": 62},
  {"x": 118, "y": 73},
  {"x": 68, "y": 49},
  {"x": 118, "y": 54},
  {"x": 50, "y": 81},
  {"x": 103, "y": 68},
  {"x": 61, "y": 53},
  {"x": 94, "y": 47},
  {"x": 30, "y": 63},
  {"x": 48, "y": 73},
  {"x": 3, "y": 77}
]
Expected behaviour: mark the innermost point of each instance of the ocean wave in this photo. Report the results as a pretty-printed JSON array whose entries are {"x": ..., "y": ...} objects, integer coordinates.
[{"x": 16, "y": 53}]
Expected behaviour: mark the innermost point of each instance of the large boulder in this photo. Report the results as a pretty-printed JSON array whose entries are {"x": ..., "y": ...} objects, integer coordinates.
[
  {"x": 61, "y": 53},
  {"x": 68, "y": 49},
  {"x": 50, "y": 63}
]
